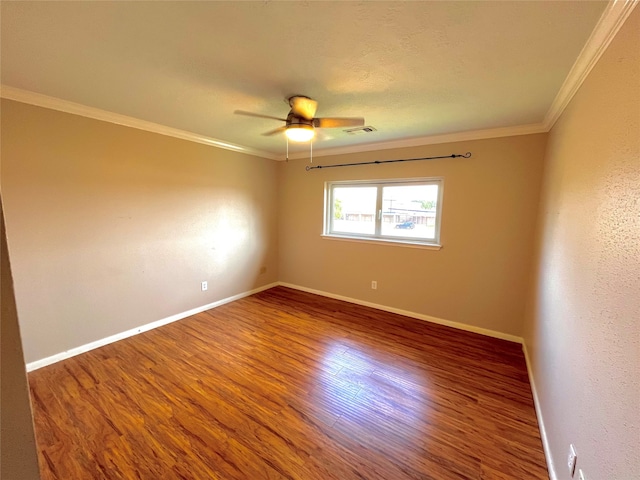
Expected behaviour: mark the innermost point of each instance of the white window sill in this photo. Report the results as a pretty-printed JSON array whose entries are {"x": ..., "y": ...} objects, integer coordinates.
[{"x": 385, "y": 241}]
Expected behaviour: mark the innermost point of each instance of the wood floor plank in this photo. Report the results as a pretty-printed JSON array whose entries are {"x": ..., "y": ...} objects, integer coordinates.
[{"x": 289, "y": 385}]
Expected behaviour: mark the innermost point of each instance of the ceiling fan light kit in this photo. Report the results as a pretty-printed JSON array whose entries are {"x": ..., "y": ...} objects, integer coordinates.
[{"x": 300, "y": 133}]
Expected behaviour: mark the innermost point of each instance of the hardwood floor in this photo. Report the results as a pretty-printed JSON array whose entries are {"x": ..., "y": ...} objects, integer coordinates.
[{"x": 285, "y": 384}]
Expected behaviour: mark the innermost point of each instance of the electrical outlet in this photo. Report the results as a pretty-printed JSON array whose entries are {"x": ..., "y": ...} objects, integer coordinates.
[
  {"x": 581, "y": 475},
  {"x": 374, "y": 285},
  {"x": 204, "y": 286},
  {"x": 571, "y": 460}
]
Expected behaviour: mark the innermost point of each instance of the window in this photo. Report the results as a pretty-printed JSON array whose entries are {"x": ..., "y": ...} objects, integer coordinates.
[{"x": 403, "y": 211}]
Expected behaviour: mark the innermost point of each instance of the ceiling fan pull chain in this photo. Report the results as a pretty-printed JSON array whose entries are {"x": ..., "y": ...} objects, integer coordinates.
[
  {"x": 287, "y": 147},
  {"x": 311, "y": 150}
]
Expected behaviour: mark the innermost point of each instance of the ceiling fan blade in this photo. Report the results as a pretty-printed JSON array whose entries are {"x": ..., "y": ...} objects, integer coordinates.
[
  {"x": 338, "y": 122},
  {"x": 275, "y": 132},
  {"x": 303, "y": 106},
  {"x": 258, "y": 115}
]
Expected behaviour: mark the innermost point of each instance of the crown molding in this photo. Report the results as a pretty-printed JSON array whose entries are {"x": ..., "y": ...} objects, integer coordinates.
[
  {"x": 603, "y": 33},
  {"x": 39, "y": 100},
  {"x": 427, "y": 140},
  {"x": 53, "y": 103}
]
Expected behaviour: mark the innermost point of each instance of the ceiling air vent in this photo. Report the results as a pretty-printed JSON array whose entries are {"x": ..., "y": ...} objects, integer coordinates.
[{"x": 360, "y": 130}]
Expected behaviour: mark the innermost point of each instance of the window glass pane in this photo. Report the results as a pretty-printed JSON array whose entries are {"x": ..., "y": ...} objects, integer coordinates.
[
  {"x": 409, "y": 211},
  {"x": 402, "y": 211},
  {"x": 354, "y": 210}
]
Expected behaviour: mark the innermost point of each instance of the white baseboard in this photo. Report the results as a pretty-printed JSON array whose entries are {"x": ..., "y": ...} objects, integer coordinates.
[
  {"x": 406, "y": 313},
  {"x": 134, "y": 331},
  {"x": 536, "y": 402}
]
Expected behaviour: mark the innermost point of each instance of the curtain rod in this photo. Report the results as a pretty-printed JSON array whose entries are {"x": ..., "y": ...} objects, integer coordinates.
[{"x": 453, "y": 155}]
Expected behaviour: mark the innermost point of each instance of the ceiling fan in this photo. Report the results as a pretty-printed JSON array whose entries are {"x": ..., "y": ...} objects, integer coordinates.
[{"x": 301, "y": 124}]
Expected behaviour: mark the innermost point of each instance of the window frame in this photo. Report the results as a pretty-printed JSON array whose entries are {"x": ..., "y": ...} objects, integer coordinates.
[{"x": 377, "y": 237}]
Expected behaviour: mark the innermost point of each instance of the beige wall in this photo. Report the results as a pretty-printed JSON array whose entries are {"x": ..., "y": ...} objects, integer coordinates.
[
  {"x": 583, "y": 322},
  {"x": 111, "y": 228},
  {"x": 18, "y": 457},
  {"x": 480, "y": 275}
]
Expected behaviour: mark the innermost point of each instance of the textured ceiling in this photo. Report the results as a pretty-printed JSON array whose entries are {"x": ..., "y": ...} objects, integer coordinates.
[{"x": 412, "y": 69}]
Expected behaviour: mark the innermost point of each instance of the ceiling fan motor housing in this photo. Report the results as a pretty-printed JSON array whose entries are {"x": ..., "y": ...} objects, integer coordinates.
[{"x": 294, "y": 120}]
